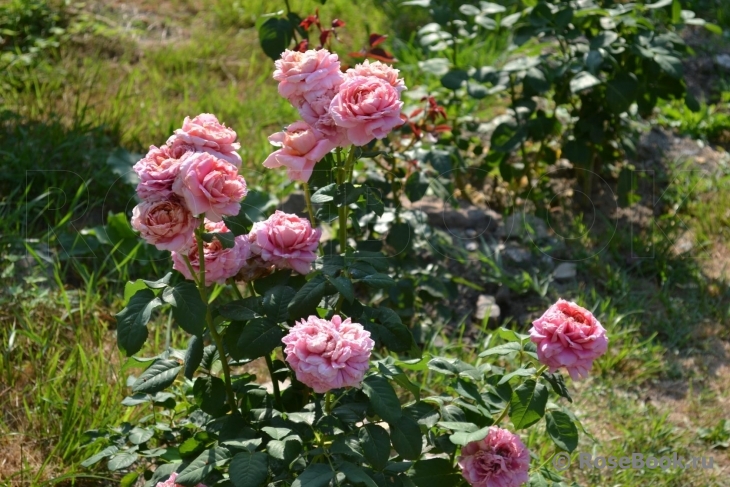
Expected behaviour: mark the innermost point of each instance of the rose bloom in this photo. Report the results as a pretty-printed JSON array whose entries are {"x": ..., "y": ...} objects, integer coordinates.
[
  {"x": 287, "y": 241},
  {"x": 209, "y": 185},
  {"x": 156, "y": 171},
  {"x": 316, "y": 112},
  {"x": 167, "y": 224},
  {"x": 368, "y": 107},
  {"x": 498, "y": 460},
  {"x": 170, "y": 482},
  {"x": 301, "y": 148},
  {"x": 569, "y": 336},
  {"x": 312, "y": 72},
  {"x": 205, "y": 133},
  {"x": 328, "y": 355},
  {"x": 378, "y": 70},
  {"x": 220, "y": 263}
]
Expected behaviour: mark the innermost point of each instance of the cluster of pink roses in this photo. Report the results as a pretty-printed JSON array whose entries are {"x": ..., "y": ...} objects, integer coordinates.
[
  {"x": 337, "y": 109},
  {"x": 194, "y": 175}
]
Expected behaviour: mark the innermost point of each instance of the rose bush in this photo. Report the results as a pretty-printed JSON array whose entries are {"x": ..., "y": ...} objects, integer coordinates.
[{"x": 350, "y": 399}]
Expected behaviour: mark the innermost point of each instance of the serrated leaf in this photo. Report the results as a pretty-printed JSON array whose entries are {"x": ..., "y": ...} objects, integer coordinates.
[
  {"x": 198, "y": 469},
  {"x": 286, "y": 450},
  {"x": 405, "y": 434},
  {"x": 226, "y": 239},
  {"x": 464, "y": 437},
  {"x": 249, "y": 469},
  {"x": 193, "y": 355},
  {"x": 378, "y": 281},
  {"x": 517, "y": 373},
  {"x": 275, "y": 35},
  {"x": 325, "y": 194},
  {"x": 416, "y": 186},
  {"x": 375, "y": 445},
  {"x": 383, "y": 399},
  {"x": 561, "y": 430},
  {"x": 132, "y": 321},
  {"x": 435, "y": 472},
  {"x": 621, "y": 92},
  {"x": 454, "y": 79},
  {"x": 210, "y": 394},
  {"x": 106, "y": 452},
  {"x": 276, "y": 302},
  {"x": 188, "y": 308},
  {"x": 158, "y": 377},
  {"x": 558, "y": 384},
  {"x": 242, "y": 309},
  {"x": 139, "y": 435},
  {"x": 527, "y": 405},
  {"x": 260, "y": 337},
  {"x": 583, "y": 81},
  {"x": 123, "y": 460},
  {"x": 344, "y": 287},
  {"x": 316, "y": 475},
  {"x": 308, "y": 297},
  {"x": 356, "y": 475}
]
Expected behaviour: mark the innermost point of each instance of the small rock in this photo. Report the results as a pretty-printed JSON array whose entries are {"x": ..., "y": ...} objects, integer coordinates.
[
  {"x": 487, "y": 306},
  {"x": 470, "y": 233},
  {"x": 472, "y": 246},
  {"x": 466, "y": 216},
  {"x": 517, "y": 254},
  {"x": 723, "y": 61},
  {"x": 521, "y": 225},
  {"x": 564, "y": 271}
]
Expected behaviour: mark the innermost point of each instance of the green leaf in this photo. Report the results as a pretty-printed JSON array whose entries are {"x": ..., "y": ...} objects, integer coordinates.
[
  {"x": 325, "y": 194},
  {"x": 714, "y": 28},
  {"x": 193, "y": 356},
  {"x": 249, "y": 469},
  {"x": 561, "y": 430},
  {"x": 464, "y": 437},
  {"x": 131, "y": 288},
  {"x": 583, "y": 81},
  {"x": 356, "y": 475},
  {"x": 210, "y": 394},
  {"x": 621, "y": 92},
  {"x": 315, "y": 475},
  {"x": 275, "y": 35},
  {"x": 527, "y": 405},
  {"x": 406, "y": 437},
  {"x": 558, "y": 384},
  {"x": 486, "y": 22},
  {"x": 285, "y": 450},
  {"x": 578, "y": 152},
  {"x": 504, "y": 349},
  {"x": 139, "y": 435},
  {"x": 469, "y": 10},
  {"x": 435, "y": 472},
  {"x": 259, "y": 337},
  {"x": 226, "y": 239},
  {"x": 521, "y": 64},
  {"x": 379, "y": 281},
  {"x": 129, "y": 480},
  {"x": 188, "y": 308},
  {"x": 191, "y": 447},
  {"x": 375, "y": 445},
  {"x": 106, "y": 452},
  {"x": 521, "y": 372},
  {"x": 158, "y": 377},
  {"x": 670, "y": 65},
  {"x": 123, "y": 460},
  {"x": 344, "y": 287},
  {"x": 507, "y": 137},
  {"x": 416, "y": 186},
  {"x": 454, "y": 79},
  {"x": 659, "y": 4},
  {"x": 132, "y": 321},
  {"x": 242, "y": 309},
  {"x": 308, "y": 297},
  {"x": 383, "y": 399},
  {"x": 276, "y": 302},
  {"x": 238, "y": 225},
  {"x": 198, "y": 469}
]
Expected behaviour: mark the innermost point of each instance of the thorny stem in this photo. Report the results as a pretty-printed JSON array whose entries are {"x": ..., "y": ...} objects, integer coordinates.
[{"x": 209, "y": 318}]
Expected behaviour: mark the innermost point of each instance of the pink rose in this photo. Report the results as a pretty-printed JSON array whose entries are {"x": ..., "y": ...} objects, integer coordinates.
[
  {"x": 316, "y": 112},
  {"x": 499, "y": 460},
  {"x": 209, "y": 185},
  {"x": 167, "y": 224},
  {"x": 220, "y": 263},
  {"x": 368, "y": 107},
  {"x": 378, "y": 70},
  {"x": 287, "y": 241},
  {"x": 311, "y": 73},
  {"x": 328, "y": 355},
  {"x": 156, "y": 171},
  {"x": 568, "y": 336},
  {"x": 301, "y": 148},
  {"x": 170, "y": 482},
  {"x": 205, "y": 133}
]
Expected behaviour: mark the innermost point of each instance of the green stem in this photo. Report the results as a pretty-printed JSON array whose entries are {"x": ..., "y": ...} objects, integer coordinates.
[
  {"x": 540, "y": 371},
  {"x": 501, "y": 415},
  {"x": 209, "y": 318},
  {"x": 193, "y": 274},
  {"x": 236, "y": 291},
  {"x": 344, "y": 175},
  {"x": 251, "y": 289},
  {"x": 328, "y": 402},
  {"x": 274, "y": 382},
  {"x": 308, "y": 199}
]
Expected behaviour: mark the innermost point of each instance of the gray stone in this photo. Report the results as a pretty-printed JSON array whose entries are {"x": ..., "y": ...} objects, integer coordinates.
[
  {"x": 564, "y": 271},
  {"x": 723, "y": 61},
  {"x": 517, "y": 254},
  {"x": 294, "y": 203},
  {"x": 471, "y": 246},
  {"x": 487, "y": 306},
  {"x": 523, "y": 226},
  {"x": 465, "y": 216}
]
